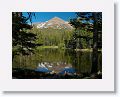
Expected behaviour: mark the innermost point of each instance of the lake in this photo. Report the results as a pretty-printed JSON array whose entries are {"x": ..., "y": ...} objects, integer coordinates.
[{"x": 58, "y": 61}]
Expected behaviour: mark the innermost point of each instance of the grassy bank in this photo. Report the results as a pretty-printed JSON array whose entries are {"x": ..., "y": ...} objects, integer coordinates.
[
  {"x": 43, "y": 47},
  {"x": 84, "y": 50},
  {"x": 56, "y": 47}
]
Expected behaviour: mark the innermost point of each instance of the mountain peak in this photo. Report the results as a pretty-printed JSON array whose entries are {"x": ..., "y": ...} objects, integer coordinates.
[
  {"x": 56, "y": 23},
  {"x": 56, "y": 18}
]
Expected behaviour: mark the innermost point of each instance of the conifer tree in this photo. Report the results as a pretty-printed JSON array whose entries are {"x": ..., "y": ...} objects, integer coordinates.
[{"x": 23, "y": 42}]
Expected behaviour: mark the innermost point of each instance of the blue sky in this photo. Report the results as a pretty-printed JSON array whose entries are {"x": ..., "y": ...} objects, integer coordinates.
[{"x": 45, "y": 16}]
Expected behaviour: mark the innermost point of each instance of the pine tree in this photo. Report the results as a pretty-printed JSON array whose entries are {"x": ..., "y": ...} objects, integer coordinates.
[{"x": 23, "y": 42}]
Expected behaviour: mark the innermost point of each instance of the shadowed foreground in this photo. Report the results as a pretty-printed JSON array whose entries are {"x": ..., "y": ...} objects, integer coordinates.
[{"x": 19, "y": 73}]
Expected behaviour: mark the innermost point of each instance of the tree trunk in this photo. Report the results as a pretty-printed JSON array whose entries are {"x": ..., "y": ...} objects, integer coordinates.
[{"x": 95, "y": 46}]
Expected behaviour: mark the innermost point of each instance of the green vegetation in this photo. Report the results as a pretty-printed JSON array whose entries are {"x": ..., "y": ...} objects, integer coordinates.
[
  {"x": 89, "y": 22},
  {"x": 62, "y": 38},
  {"x": 52, "y": 37},
  {"x": 43, "y": 47}
]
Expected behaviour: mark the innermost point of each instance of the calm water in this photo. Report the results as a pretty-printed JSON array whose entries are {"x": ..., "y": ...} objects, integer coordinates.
[{"x": 57, "y": 61}]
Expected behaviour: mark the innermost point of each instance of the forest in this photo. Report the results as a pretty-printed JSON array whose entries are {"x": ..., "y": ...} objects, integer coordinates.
[{"x": 29, "y": 42}]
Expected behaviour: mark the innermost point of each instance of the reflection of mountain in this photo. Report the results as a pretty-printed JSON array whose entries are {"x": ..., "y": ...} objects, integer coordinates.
[
  {"x": 53, "y": 66},
  {"x": 55, "y": 23}
]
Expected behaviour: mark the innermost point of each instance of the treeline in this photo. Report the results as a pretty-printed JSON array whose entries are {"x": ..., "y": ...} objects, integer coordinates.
[
  {"x": 52, "y": 37},
  {"x": 80, "y": 39},
  {"x": 63, "y": 38}
]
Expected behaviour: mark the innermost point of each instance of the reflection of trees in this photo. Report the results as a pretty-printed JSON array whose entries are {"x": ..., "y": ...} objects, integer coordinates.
[
  {"x": 81, "y": 61},
  {"x": 100, "y": 61}
]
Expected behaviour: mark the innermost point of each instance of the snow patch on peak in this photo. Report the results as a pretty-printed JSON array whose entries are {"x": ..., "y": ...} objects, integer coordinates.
[{"x": 41, "y": 25}]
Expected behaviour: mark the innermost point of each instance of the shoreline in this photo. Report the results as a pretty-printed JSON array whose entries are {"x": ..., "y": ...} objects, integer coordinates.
[{"x": 56, "y": 47}]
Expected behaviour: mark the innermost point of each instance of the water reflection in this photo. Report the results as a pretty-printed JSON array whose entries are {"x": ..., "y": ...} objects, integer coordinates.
[
  {"x": 68, "y": 70},
  {"x": 58, "y": 61}
]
